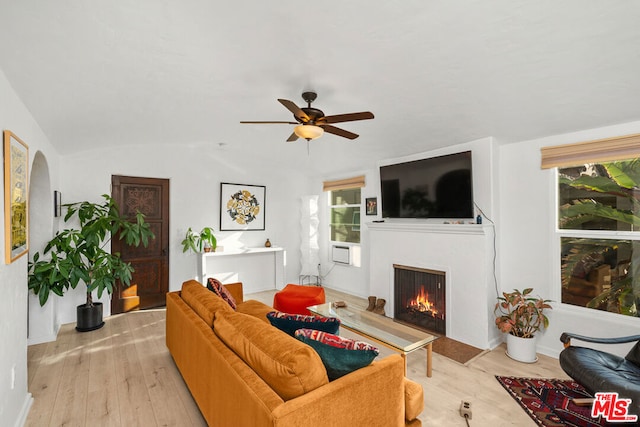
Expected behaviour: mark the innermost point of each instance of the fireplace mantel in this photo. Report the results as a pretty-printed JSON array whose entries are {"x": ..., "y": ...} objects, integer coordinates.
[{"x": 429, "y": 227}]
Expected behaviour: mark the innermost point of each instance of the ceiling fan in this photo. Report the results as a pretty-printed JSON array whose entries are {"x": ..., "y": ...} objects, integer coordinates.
[{"x": 312, "y": 122}]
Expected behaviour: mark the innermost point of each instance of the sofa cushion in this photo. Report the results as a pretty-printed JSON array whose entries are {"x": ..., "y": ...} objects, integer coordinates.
[
  {"x": 339, "y": 355},
  {"x": 290, "y": 323},
  {"x": 254, "y": 308},
  {"x": 288, "y": 366},
  {"x": 217, "y": 288},
  {"x": 202, "y": 301},
  {"x": 413, "y": 399}
]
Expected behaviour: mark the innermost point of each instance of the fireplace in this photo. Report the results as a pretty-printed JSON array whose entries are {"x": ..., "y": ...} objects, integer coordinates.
[
  {"x": 463, "y": 251},
  {"x": 420, "y": 298}
]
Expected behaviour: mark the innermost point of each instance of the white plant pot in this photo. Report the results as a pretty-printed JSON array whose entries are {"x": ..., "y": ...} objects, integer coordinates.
[{"x": 522, "y": 349}]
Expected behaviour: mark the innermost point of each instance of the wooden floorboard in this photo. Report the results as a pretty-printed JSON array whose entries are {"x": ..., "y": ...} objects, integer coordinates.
[
  {"x": 123, "y": 375},
  {"x": 155, "y": 363},
  {"x": 46, "y": 380},
  {"x": 74, "y": 381},
  {"x": 133, "y": 392}
]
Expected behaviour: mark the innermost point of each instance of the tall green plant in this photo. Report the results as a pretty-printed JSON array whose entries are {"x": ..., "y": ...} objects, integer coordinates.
[
  {"x": 77, "y": 255},
  {"x": 620, "y": 179}
]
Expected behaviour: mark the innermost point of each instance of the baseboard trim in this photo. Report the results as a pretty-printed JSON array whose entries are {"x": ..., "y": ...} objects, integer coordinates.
[
  {"x": 40, "y": 339},
  {"x": 24, "y": 411}
]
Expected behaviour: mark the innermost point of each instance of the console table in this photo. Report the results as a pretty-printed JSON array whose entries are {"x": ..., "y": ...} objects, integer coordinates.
[{"x": 259, "y": 269}]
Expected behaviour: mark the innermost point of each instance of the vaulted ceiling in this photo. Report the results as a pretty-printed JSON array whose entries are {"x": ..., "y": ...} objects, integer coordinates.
[{"x": 434, "y": 72}]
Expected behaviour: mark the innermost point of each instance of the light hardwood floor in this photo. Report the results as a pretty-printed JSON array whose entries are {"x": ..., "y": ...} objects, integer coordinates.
[{"x": 123, "y": 375}]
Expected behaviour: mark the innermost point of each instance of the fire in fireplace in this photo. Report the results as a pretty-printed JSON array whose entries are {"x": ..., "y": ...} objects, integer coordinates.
[
  {"x": 420, "y": 298},
  {"x": 422, "y": 304}
]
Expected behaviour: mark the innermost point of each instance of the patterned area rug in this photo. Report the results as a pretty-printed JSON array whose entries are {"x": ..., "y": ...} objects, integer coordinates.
[{"x": 548, "y": 402}]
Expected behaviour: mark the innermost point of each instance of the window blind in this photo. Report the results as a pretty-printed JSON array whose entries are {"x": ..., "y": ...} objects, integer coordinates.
[
  {"x": 341, "y": 184},
  {"x": 599, "y": 150}
]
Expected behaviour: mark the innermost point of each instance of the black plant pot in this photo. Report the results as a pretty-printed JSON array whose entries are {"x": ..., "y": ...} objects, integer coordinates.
[{"x": 89, "y": 317}]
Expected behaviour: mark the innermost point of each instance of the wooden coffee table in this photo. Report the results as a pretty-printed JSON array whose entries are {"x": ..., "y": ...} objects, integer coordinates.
[{"x": 380, "y": 329}]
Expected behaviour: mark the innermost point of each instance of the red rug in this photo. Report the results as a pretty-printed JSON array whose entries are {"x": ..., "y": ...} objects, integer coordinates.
[{"x": 548, "y": 402}]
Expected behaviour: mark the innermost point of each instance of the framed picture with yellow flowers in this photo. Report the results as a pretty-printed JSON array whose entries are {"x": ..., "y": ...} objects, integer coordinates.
[
  {"x": 242, "y": 207},
  {"x": 16, "y": 193}
]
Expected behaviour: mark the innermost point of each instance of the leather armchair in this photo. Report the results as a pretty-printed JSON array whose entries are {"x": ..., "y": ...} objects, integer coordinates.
[{"x": 598, "y": 371}]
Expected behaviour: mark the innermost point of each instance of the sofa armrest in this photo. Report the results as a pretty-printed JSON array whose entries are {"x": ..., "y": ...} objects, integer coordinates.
[
  {"x": 567, "y": 336},
  {"x": 235, "y": 289},
  {"x": 379, "y": 388}
]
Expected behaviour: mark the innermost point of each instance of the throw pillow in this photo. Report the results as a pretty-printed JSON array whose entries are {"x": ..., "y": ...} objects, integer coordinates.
[
  {"x": 290, "y": 323},
  {"x": 218, "y": 288},
  {"x": 339, "y": 355}
]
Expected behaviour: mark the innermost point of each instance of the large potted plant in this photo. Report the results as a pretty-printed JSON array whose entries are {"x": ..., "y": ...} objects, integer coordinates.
[
  {"x": 79, "y": 254},
  {"x": 197, "y": 242},
  {"x": 520, "y": 316}
]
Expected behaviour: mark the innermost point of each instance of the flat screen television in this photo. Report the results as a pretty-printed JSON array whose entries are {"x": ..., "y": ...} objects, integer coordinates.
[{"x": 436, "y": 187}]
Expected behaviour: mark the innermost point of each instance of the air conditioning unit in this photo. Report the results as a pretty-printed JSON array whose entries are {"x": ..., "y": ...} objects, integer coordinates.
[{"x": 341, "y": 254}]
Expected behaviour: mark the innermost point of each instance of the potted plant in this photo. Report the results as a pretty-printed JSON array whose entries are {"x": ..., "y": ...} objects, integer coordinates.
[
  {"x": 79, "y": 254},
  {"x": 521, "y": 315},
  {"x": 197, "y": 242}
]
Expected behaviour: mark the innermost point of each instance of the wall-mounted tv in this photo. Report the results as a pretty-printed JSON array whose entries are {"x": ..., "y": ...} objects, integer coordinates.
[{"x": 436, "y": 187}]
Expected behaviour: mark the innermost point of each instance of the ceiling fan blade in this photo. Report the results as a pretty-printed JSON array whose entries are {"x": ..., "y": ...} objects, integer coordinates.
[
  {"x": 297, "y": 112},
  {"x": 350, "y": 117},
  {"x": 340, "y": 132},
  {"x": 263, "y": 123},
  {"x": 293, "y": 137}
]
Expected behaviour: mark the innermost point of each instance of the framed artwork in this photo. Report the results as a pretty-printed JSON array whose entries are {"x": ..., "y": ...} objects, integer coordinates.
[
  {"x": 57, "y": 203},
  {"x": 16, "y": 193},
  {"x": 242, "y": 207},
  {"x": 372, "y": 205}
]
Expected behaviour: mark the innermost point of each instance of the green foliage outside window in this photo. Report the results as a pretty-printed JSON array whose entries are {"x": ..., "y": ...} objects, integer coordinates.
[
  {"x": 599, "y": 217},
  {"x": 345, "y": 215}
]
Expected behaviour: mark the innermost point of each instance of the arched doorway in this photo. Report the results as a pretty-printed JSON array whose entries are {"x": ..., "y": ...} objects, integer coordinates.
[{"x": 42, "y": 327}]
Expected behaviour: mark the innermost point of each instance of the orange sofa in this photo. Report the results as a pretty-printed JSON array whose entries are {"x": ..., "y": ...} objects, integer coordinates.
[{"x": 242, "y": 371}]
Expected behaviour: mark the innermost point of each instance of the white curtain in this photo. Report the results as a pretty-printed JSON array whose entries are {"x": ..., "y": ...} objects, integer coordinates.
[{"x": 309, "y": 235}]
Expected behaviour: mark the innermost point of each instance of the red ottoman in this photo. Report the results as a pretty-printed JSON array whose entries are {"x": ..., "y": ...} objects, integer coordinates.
[{"x": 294, "y": 299}]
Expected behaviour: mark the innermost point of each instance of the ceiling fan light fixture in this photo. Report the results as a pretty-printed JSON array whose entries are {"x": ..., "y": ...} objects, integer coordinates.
[{"x": 308, "y": 132}]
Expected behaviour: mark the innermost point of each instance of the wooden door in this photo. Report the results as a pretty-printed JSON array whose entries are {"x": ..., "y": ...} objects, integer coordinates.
[{"x": 150, "y": 281}]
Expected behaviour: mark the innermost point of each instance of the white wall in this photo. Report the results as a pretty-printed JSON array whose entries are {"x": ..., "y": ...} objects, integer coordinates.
[
  {"x": 15, "y": 399},
  {"x": 195, "y": 172},
  {"x": 529, "y": 249}
]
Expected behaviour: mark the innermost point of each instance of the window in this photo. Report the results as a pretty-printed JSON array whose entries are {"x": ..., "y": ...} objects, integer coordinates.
[
  {"x": 599, "y": 222},
  {"x": 345, "y": 215},
  {"x": 599, "y": 232}
]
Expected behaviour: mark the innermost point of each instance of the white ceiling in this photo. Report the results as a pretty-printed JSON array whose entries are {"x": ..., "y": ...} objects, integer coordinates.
[{"x": 434, "y": 73}]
